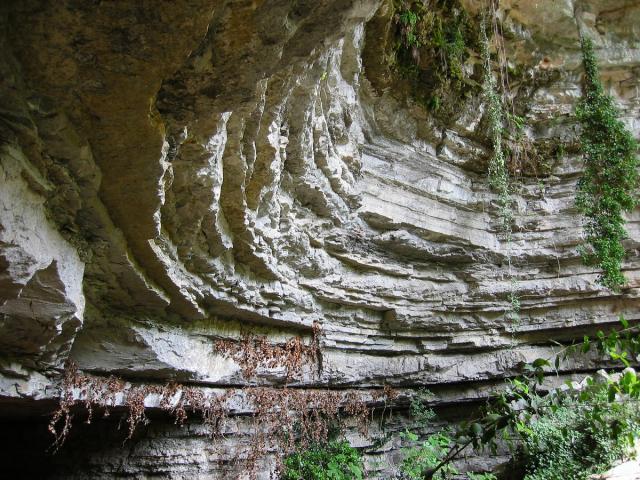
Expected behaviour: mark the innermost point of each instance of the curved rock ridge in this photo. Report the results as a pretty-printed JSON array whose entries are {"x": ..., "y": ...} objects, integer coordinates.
[{"x": 176, "y": 175}]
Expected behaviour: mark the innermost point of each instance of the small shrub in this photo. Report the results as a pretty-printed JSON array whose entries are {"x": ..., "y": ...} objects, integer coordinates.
[
  {"x": 428, "y": 455},
  {"x": 334, "y": 461},
  {"x": 420, "y": 411},
  {"x": 444, "y": 31},
  {"x": 419, "y": 458},
  {"x": 577, "y": 440}
]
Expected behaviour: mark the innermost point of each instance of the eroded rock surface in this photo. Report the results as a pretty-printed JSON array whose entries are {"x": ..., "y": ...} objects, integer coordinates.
[{"x": 178, "y": 173}]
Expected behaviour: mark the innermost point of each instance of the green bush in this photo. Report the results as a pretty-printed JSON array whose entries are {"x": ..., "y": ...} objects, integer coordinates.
[
  {"x": 420, "y": 459},
  {"x": 608, "y": 186},
  {"x": 334, "y": 461},
  {"x": 577, "y": 440},
  {"x": 567, "y": 433},
  {"x": 426, "y": 456}
]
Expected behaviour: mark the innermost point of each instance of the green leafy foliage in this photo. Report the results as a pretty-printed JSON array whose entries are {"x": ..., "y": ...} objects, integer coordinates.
[
  {"x": 444, "y": 37},
  {"x": 408, "y": 19},
  {"x": 430, "y": 457},
  {"x": 426, "y": 456},
  {"x": 334, "y": 461},
  {"x": 577, "y": 428},
  {"x": 609, "y": 184},
  {"x": 429, "y": 453},
  {"x": 432, "y": 46},
  {"x": 420, "y": 410},
  {"x": 577, "y": 440}
]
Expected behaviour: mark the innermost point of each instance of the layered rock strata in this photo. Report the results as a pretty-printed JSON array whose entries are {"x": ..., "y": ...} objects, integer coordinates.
[{"x": 179, "y": 174}]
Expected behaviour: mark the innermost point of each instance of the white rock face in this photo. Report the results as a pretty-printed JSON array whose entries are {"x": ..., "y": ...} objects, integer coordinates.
[
  {"x": 197, "y": 170},
  {"x": 41, "y": 298}
]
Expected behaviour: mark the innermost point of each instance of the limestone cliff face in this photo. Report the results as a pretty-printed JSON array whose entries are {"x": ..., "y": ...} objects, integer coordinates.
[{"x": 175, "y": 175}]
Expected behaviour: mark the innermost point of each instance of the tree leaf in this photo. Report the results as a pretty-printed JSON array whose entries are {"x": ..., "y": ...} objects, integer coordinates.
[
  {"x": 624, "y": 322},
  {"x": 541, "y": 362}
]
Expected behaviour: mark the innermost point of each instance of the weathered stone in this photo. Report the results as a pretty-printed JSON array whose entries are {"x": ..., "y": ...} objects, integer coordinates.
[{"x": 195, "y": 170}]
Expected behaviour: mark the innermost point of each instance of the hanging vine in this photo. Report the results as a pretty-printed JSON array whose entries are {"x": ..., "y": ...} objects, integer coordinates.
[
  {"x": 498, "y": 170},
  {"x": 608, "y": 187}
]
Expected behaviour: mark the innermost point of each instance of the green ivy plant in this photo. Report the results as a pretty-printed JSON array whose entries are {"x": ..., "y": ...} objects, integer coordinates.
[
  {"x": 609, "y": 184},
  {"x": 335, "y": 461}
]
